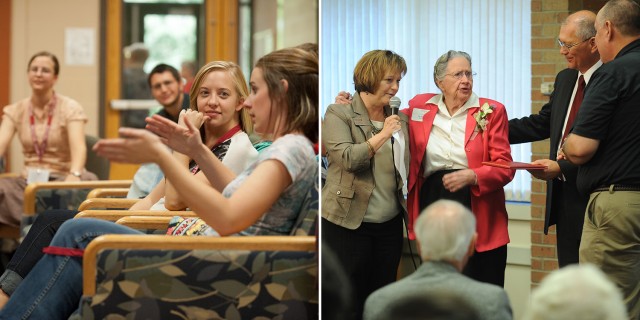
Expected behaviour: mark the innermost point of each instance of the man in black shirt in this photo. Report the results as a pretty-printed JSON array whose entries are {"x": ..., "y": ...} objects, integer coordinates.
[
  {"x": 605, "y": 142},
  {"x": 167, "y": 88}
]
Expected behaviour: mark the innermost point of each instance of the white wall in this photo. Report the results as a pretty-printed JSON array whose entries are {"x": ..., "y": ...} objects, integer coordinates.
[{"x": 517, "y": 281}]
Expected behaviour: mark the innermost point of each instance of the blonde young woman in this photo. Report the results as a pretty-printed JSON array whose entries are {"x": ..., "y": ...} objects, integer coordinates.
[
  {"x": 50, "y": 127},
  {"x": 217, "y": 105},
  {"x": 283, "y": 103}
]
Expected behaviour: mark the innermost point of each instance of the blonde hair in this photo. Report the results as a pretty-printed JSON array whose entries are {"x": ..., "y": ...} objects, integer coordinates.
[
  {"x": 299, "y": 102},
  {"x": 240, "y": 85}
]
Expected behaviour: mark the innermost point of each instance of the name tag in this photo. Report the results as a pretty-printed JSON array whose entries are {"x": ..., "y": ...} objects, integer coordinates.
[
  {"x": 37, "y": 175},
  {"x": 418, "y": 114}
]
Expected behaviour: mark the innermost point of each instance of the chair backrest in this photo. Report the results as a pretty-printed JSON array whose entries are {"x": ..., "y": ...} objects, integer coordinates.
[
  {"x": 307, "y": 220},
  {"x": 95, "y": 163}
]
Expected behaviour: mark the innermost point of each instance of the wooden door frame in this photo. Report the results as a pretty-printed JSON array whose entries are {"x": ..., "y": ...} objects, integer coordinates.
[{"x": 221, "y": 43}]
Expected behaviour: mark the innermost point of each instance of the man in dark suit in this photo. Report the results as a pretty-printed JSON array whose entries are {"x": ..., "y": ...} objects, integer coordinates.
[
  {"x": 446, "y": 236},
  {"x": 565, "y": 206}
]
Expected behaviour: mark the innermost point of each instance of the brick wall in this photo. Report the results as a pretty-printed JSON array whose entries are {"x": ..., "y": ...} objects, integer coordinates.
[{"x": 546, "y": 17}]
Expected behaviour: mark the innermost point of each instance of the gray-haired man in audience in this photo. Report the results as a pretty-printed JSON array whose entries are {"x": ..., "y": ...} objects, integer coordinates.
[
  {"x": 446, "y": 234},
  {"x": 580, "y": 292}
]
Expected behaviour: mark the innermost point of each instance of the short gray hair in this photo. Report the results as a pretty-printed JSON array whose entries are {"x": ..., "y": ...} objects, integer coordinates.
[
  {"x": 444, "y": 230},
  {"x": 576, "y": 292},
  {"x": 440, "y": 69},
  {"x": 585, "y": 24},
  {"x": 624, "y": 14}
]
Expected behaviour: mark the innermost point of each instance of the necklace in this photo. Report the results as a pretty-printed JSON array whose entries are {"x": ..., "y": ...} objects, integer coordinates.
[{"x": 374, "y": 129}]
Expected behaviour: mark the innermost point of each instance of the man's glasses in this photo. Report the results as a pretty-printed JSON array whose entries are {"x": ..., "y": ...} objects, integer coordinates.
[
  {"x": 460, "y": 74},
  {"x": 569, "y": 46}
]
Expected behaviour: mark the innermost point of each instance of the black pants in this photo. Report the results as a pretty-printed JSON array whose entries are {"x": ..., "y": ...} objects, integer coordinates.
[
  {"x": 488, "y": 266},
  {"x": 39, "y": 236},
  {"x": 369, "y": 255}
]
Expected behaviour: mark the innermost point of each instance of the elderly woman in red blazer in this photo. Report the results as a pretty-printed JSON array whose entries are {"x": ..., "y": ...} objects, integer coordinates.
[{"x": 451, "y": 134}]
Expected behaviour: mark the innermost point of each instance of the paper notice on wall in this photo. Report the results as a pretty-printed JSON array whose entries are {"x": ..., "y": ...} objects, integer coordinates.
[{"x": 80, "y": 46}]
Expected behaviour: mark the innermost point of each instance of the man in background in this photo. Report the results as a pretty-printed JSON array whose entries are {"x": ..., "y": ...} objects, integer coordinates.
[
  {"x": 565, "y": 205},
  {"x": 166, "y": 88}
]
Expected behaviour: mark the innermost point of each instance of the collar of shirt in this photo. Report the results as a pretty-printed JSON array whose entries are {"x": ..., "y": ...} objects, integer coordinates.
[
  {"x": 438, "y": 100},
  {"x": 587, "y": 75},
  {"x": 445, "y": 149}
]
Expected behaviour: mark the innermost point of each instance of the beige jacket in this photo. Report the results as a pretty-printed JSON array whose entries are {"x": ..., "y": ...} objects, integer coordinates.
[{"x": 349, "y": 184}]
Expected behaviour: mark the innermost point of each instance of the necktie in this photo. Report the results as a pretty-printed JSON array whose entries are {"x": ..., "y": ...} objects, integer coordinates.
[{"x": 577, "y": 101}]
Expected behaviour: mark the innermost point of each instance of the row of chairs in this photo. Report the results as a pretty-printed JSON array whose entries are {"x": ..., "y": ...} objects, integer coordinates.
[{"x": 186, "y": 277}]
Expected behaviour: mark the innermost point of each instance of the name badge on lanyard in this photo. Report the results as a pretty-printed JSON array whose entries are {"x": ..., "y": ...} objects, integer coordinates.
[{"x": 40, "y": 174}]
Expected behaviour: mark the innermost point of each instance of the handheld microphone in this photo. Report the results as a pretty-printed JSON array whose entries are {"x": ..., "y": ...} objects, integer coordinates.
[{"x": 394, "y": 103}]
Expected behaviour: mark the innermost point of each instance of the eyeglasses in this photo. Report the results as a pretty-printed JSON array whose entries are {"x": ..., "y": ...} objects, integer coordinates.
[
  {"x": 569, "y": 46},
  {"x": 460, "y": 74}
]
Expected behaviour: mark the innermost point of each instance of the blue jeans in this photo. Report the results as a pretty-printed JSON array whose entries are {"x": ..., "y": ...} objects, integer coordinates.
[{"x": 53, "y": 289}]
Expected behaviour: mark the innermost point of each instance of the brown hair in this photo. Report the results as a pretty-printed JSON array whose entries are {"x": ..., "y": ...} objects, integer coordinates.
[
  {"x": 240, "y": 85},
  {"x": 299, "y": 102},
  {"x": 56, "y": 65},
  {"x": 373, "y": 66}
]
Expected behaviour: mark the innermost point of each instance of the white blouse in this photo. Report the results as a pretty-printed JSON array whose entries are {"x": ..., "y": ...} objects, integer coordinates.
[{"x": 445, "y": 149}]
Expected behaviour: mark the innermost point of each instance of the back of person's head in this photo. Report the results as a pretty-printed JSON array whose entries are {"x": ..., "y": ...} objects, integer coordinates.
[
  {"x": 239, "y": 82},
  {"x": 374, "y": 66},
  {"x": 336, "y": 287},
  {"x": 310, "y": 47},
  {"x": 444, "y": 230},
  {"x": 162, "y": 68},
  {"x": 296, "y": 103},
  {"x": 624, "y": 14},
  {"x": 56, "y": 65},
  {"x": 443, "y": 305},
  {"x": 136, "y": 52},
  {"x": 580, "y": 292}
]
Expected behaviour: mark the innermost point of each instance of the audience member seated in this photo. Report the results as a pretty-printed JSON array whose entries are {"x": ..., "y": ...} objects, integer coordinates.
[
  {"x": 445, "y": 233},
  {"x": 433, "y": 306},
  {"x": 282, "y": 103},
  {"x": 337, "y": 294},
  {"x": 226, "y": 137},
  {"x": 576, "y": 292},
  {"x": 50, "y": 128}
]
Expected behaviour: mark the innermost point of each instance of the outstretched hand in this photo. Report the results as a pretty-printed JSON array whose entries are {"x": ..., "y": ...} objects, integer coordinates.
[
  {"x": 133, "y": 146},
  {"x": 181, "y": 139}
]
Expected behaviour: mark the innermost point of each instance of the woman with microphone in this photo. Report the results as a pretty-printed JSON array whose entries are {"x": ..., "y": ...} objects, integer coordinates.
[{"x": 362, "y": 200}]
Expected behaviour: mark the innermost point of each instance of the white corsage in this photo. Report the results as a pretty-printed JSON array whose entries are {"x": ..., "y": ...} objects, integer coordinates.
[{"x": 481, "y": 117}]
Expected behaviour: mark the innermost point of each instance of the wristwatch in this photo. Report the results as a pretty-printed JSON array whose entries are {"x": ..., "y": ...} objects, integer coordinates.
[{"x": 76, "y": 173}]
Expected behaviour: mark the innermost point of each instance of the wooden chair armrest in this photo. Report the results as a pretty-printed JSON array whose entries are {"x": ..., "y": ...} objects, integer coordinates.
[
  {"x": 114, "y": 215},
  {"x": 145, "y": 222},
  {"x": 107, "y": 203},
  {"x": 32, "y": 188},
  {"x": 9, "y": 232},
  {"x": 162, "y": 242},
  {"x": 108, "y": 192}
]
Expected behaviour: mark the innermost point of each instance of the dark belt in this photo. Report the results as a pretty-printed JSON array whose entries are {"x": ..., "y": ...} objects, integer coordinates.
[{"x": 617, "y": 187}]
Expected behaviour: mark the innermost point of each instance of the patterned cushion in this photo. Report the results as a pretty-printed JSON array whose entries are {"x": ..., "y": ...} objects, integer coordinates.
[
  {"x": 307, "y": 220},
  {"x": 204, "y": 284}
]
